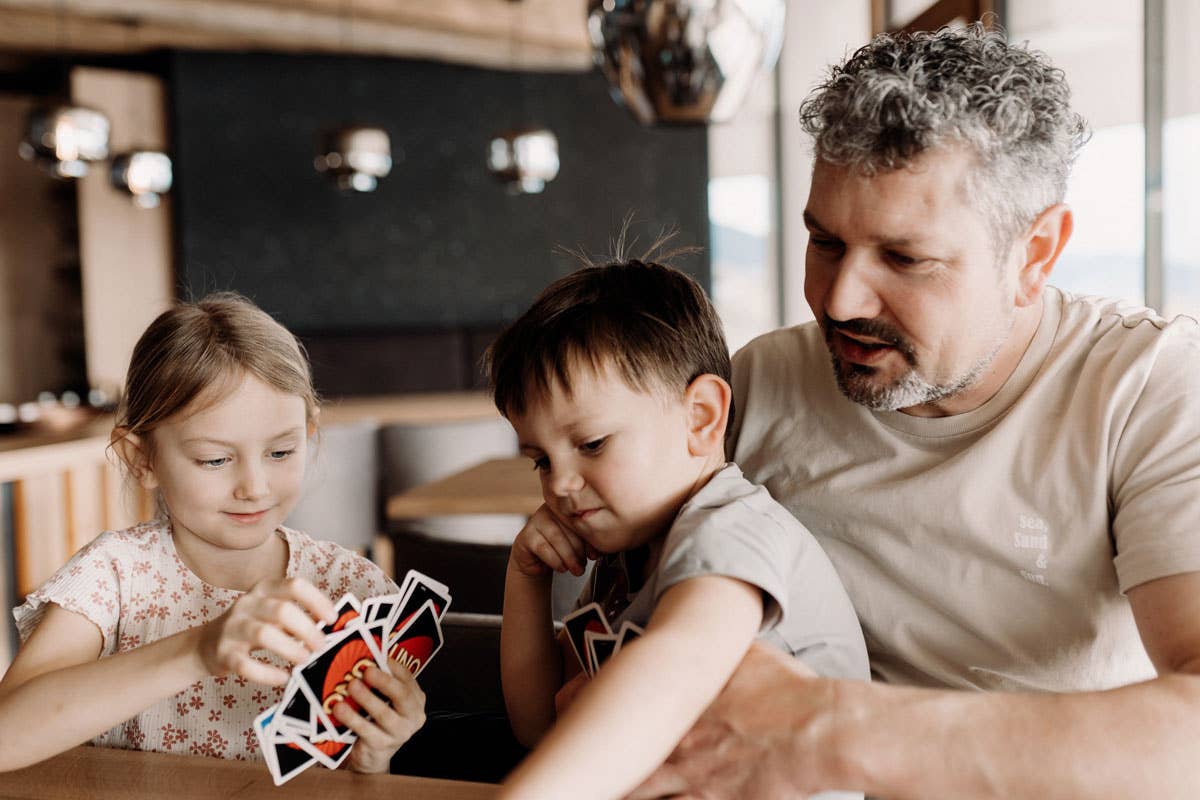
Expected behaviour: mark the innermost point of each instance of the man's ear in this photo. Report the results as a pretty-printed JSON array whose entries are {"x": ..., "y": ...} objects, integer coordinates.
[
  {"x": 1044, "y": 240},
  {"x": 134, "y": 452},
  {"x": 707, "y": 401}
]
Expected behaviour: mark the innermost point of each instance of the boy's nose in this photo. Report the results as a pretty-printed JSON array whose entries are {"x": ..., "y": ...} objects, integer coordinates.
[{"x": 563, "y": 482}]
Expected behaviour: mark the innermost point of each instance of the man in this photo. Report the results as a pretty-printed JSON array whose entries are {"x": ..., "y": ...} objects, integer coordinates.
[{"x": 1007, "y": 477}]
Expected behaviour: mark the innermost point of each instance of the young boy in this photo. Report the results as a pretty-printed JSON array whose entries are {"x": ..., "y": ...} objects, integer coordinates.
[{"x": 617, "y": 383}]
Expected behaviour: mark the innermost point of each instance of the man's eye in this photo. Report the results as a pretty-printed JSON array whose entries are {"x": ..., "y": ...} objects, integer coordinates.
[
  {"x": 903, "y": 260},
  {"x": 824, "y": 244}
]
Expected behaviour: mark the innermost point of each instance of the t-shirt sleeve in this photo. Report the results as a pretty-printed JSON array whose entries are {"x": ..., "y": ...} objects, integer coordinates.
[
  {"x": 1156, "y": 467},
  {"x": 734, "y": 541},
  {"x": 88, "y": 584}
]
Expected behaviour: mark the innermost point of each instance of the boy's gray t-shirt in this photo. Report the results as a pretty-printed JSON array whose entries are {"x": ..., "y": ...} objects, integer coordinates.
[{"x": 734, "y": 528}]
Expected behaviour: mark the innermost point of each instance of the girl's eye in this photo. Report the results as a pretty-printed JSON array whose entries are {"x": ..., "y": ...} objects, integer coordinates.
[
  {"x": 212, "y": 462},
  {"x": 280, "y": 455},
  {"x": 596, "y": 445}
]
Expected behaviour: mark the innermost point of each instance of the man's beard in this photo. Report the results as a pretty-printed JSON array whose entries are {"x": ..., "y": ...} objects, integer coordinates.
[{"x": 856, "y": 381}]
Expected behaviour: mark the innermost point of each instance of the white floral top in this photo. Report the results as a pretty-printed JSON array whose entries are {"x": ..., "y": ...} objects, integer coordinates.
[{"x": 135, "y": 588}]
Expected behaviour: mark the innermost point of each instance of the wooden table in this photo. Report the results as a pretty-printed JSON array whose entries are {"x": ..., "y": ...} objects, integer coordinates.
[
  {"x": 498, "y": 486},
  {"x": 95, "y": 773}
]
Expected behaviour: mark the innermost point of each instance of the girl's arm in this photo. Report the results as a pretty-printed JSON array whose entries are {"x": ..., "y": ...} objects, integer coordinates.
[
  {"x": 647, "y": 697},
  {"x": 59, "y": 693}
]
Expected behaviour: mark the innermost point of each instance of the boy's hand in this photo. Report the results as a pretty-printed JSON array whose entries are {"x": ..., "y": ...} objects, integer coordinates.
[
  {"x": 381, "y": 728},
  {"x": 278, "y": 616},
  {"x": 546, "y": 544}
]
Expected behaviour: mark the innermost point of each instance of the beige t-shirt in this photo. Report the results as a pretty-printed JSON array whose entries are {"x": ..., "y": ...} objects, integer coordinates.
[{"x": 991, "y": 549}]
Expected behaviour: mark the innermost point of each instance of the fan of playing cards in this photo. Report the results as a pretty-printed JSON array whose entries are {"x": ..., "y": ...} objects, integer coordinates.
[
  {"x": 299, "y": 731},
  {"x": 593, "y": 640}
]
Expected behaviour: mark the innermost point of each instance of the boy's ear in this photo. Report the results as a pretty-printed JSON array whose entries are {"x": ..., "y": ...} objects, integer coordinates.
[
  {"x": 132, "y": 450},
  {"x": 707, "y": 402},
  {"x": 1044, "y": 241}
]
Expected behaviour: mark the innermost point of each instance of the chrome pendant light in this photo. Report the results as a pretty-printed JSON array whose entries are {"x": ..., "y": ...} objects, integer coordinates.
[
  {"x": 64, "y": 139},
  {"x": 356, "y": 157},
  {"x": 684, "y": 61},
  {"x": 146, "y": 175},
  {"x": 524, "y": 160}
]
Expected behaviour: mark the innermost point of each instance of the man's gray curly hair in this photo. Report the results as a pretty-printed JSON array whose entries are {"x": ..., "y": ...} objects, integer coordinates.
[{"x": 903, "y": 94}]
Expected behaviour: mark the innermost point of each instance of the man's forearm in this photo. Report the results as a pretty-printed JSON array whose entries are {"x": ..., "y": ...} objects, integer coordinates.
[{"x": 1138, "y": 741}]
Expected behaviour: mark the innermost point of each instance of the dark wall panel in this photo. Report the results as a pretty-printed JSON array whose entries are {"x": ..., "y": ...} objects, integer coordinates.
[{"x": 440, "y": 245}]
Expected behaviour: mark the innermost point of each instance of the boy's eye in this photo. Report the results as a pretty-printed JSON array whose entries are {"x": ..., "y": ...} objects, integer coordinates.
[
  {"x": 541, "y": 463},
  {"x": 280, "y": 455},
  {"x": 595, "y": 446},
  {"x": 212, "y": 462}
]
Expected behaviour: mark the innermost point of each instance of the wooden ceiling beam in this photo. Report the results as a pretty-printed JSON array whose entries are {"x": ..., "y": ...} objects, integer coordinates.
[{"x": 532, "y": 34}]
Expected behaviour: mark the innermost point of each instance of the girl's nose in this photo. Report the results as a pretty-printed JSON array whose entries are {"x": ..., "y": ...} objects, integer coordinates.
[{"x": 251, "y": 484}]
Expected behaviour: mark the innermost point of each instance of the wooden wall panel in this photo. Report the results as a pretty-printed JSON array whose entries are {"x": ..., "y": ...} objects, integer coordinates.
[
  {"x": 41, "y": 536},
  {"x": 125, "y": 251}
]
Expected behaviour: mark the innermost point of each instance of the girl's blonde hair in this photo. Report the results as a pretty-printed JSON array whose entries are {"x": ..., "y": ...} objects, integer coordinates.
[{"x": 199, "y": 351}]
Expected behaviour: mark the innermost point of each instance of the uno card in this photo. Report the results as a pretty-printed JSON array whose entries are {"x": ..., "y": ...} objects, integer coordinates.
[
  {"x": 578, "y": 622},
  {"x": 422, "y": 589},
  {"x": 284, "y": 758},
  {"x": 380, "y": 608},
  {"x": 296, "y": 711},
  {"x": 264, "y": 734},
  {"x": 417, "y": 642},
  {"x": 628, "y": 632},
  {"x": 600, "y": 648},
  {"x": 346, "y": 609},
  {"x": 329, "y": 673},
  {"x": 329, "y": 752}
]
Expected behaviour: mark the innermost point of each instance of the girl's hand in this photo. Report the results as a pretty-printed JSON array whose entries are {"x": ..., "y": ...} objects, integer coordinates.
[
  {"x": 546, "y": 544},
  {"x": 381, "y": 728},
  {"x": 278, "y": 616}
]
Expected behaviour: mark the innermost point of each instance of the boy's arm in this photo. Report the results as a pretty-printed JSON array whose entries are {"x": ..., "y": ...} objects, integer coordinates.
[
  {"x": 59, "y": 693},
  {"x": 644, "y": 700},
  {"x": 530, "y": 660}
]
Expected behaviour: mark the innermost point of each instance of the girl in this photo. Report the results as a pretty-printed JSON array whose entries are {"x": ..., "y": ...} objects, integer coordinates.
[{"x": 146, "y": 638}]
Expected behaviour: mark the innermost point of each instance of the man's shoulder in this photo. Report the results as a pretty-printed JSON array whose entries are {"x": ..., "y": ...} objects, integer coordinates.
[
  {"x": 1123, "y": 339},
  {"x": 788, "y": 343}
]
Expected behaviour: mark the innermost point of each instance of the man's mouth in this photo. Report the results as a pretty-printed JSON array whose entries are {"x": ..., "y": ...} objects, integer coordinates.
[{"x": 865, "y": 350}]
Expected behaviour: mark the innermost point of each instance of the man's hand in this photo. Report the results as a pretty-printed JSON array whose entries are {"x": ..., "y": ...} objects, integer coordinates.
[{"x": 757, "y": 740}]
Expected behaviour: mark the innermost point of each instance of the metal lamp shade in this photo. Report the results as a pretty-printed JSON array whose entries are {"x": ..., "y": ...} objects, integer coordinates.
[
  {"x": 525, "y": 160},
  {"x": 145, "y": 174},
  {"x": 356, "y": 157},
  {"x": 63, "y": 139},
  {"x": 684, "y": 61}
]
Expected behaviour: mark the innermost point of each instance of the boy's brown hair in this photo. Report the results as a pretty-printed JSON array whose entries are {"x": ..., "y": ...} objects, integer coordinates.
[
  {"x": 197, "y": 351},
  {"x": 651, "y": 322}
]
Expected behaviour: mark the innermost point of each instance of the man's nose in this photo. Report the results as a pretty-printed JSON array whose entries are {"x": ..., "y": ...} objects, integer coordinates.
[{"x": 853, "y": 293}]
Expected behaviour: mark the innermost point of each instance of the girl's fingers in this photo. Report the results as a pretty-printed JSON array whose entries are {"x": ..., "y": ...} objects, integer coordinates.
[
  {"x": 270, "y": 637},
  {"x": 291, "y": 618},
  {"x": 309, "y": 598},
  {"x": 548, "y": 554},
  {"x": 254, "y": 670}
]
